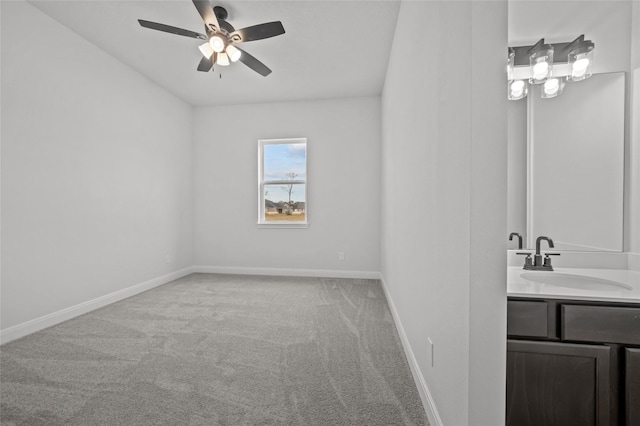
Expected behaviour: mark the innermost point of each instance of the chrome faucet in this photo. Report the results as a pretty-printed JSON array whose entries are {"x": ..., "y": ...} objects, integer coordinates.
[{"x": 540, "y": 264}]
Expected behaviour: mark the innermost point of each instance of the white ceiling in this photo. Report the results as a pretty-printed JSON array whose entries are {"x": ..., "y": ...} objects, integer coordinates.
[{"x": 331, "y": 49}]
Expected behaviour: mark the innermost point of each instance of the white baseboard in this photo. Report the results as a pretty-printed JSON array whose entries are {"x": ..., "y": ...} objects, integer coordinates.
[
  {"x": 287, "y": 272},
  {"x": 427, "y": 400},
  {"x": 37, "y": 324}
]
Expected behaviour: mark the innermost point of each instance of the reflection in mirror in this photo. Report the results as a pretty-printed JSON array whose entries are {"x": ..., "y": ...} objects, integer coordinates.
[{"x": 566, "y": 159}]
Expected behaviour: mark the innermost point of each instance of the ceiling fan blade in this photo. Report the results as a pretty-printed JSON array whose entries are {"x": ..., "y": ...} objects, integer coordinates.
[
  {"x": 254, "y": 64},
  {"x": 206, "y": 11},
  {"x": 226, "y": 26},
  {"x": 258, "y": 32},
  {"x": 170, "y": 29},
  {"x": 205, "y": 64}
]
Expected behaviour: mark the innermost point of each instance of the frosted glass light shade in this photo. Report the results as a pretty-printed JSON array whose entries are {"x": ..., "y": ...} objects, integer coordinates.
[
  {"x": 552, "y": 88},
  {"x": 206, "y": 50},
  {"x": 541, "y": 63},
  {"x": 222, "y": 59},
  {"x": 580, "y": 61},
  {"x": 233, "y": 53},
  {"x": 510, "y": 64},
  {"x": 517, "y": 89}
]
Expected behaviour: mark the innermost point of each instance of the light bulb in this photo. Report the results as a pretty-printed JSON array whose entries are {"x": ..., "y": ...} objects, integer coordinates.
[
  {"x": 580, "y": 61},
  {"x": 517, "y": 85},
  {"x": 541, "y": 62},
  {"x": 217, "y": 43},
  {"x": 206, "y": 50},
  {"x": 517, "y": 90},
  {"x": 551, "y": 88},
  {"x": 580, "y": 67},
  {"x": 233, "y": 52},
  {"x": 540, "y": 69}
]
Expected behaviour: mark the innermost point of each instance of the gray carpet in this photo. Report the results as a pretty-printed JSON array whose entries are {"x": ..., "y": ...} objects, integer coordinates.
[{"x": 213, "y": 349}]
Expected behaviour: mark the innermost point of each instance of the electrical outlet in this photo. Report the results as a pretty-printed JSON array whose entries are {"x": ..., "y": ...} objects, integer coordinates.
[
  {"x": 341, "y": 256},
  {"x": 167, "y": 258},
  {"x": 431, "y": 350}
]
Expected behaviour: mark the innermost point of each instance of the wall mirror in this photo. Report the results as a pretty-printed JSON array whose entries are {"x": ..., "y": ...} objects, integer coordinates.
[{"x": 566, "y": 165}]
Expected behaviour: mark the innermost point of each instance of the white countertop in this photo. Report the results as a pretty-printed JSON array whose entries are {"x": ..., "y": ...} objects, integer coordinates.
[{"x": 628, "y": 291}]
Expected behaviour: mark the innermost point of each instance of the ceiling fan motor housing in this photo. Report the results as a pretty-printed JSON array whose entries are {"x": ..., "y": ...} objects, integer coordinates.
[{"x": 221, "y": 12}]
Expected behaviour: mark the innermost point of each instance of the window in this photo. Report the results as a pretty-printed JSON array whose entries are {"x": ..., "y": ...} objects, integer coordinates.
[{"x": 282, "y": 183}]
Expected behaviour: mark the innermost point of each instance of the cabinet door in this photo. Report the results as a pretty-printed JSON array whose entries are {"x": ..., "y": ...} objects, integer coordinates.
[
  {"x": 632, "y": 386},
  {"x": 557, "y": 384}
]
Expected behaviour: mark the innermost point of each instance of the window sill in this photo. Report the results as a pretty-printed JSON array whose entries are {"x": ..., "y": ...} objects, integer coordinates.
[{"x": 282, "y": 224}]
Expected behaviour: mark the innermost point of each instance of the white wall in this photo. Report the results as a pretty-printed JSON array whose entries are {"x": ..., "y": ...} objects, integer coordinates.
[
  {"x": 96, "y": 171},
  {"x": 343, "y": 191},
  {"x": 444, "y": 147}
]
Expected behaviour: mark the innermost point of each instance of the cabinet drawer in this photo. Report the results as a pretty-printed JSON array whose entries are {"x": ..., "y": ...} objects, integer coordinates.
[
  {"x": 606, "y": 324},
  {"x": 525, "y": 318}
]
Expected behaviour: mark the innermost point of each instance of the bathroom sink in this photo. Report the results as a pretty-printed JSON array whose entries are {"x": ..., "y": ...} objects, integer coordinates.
[{"x": 560, "y": 279}]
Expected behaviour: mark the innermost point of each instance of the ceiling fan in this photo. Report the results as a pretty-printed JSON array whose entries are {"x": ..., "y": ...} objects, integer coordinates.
[{"x": 221, "y": 38}]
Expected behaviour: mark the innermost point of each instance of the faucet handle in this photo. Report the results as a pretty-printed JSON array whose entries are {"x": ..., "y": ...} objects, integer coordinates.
[
  {"x": 527, "y": 260},
  {"x": 547, "y": 259}
]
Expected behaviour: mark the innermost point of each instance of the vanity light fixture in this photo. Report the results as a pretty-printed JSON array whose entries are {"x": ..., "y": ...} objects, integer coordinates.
[
  {"x": 540, "y": 62},
  {"x": 549, "y": 65},
  {"x": 580, "y": 59},
  {"x": 552, "y": 88},
  {"x": 517, "y": 89}
]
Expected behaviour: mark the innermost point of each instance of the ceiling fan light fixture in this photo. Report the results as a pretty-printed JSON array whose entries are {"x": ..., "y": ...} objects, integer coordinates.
[
  {"x": 206, "y": 50},
  {"x": 222, "y": 59},
  {"x": 234, "y": 53},
  {"x": 217, "y": 43}
]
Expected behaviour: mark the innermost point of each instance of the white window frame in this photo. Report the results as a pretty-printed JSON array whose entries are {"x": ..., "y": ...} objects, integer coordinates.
[{"x": 262, "y": 223}]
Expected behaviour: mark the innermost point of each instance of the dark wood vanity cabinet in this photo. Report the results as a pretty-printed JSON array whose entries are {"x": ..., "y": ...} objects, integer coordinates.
[
  {"x": 572, "y": 363},
  {"x": 632, "y": 386}
]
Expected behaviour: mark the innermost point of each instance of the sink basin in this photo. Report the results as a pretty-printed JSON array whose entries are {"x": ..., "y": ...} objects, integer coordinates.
[{"x": 559, "y": 279}]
